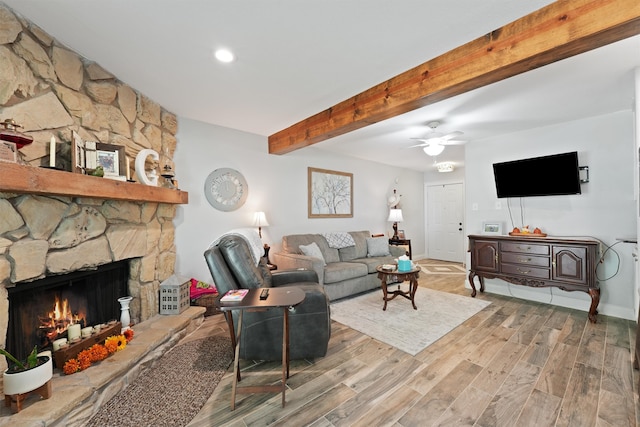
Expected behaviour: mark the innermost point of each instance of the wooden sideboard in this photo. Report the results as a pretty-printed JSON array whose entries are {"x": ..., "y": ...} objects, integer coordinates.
[{"x": 538, "y": 262}]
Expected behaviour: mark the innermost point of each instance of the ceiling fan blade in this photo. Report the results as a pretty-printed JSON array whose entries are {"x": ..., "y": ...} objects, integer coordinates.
[
  {"x": 453, "y": 142},
  {"x": 418, "y": 145},
  {"x": 451, "y": 135}
]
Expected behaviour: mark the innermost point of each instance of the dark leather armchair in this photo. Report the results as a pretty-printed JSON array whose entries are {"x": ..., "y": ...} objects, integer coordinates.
[{"x": 232, "y": 267}]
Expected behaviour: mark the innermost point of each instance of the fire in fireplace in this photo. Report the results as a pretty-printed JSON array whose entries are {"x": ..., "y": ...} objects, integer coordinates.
[{"x": 41, "y": 311}]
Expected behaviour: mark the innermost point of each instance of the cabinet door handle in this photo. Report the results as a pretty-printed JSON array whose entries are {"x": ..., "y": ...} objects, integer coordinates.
[
  {"x": 496, "y": 257},
  {"x": 525, "y": 260},
  {"x": 525, "y": 248},
  {"x": 523, "y": 271}
]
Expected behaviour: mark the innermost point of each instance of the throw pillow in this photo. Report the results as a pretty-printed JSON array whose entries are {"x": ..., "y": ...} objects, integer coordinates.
[
  {"x": 377, "y": 246},
  {"x": 312, "y": 250}
]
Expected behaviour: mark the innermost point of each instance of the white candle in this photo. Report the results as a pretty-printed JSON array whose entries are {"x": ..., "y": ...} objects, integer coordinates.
[
  {"x": 86, "y": 332},
  {"x": 57, "y": 343},
  {"x": 73, "y": 331},
  {"x": 52, "y": 152},
  {"x": 128, "y": 169}
]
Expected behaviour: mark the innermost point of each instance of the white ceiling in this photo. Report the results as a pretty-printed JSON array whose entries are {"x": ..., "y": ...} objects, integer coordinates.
[{"x": 296, "y": 58}]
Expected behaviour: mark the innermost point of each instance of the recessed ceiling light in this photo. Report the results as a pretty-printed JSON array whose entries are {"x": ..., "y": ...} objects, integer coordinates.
[{"x": 224, "y": 55}]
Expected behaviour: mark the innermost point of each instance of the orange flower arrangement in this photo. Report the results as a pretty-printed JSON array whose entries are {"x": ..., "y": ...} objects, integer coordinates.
[
  {"x": 115, "y": 343},
  {"x": 128, "y": 334},
  {"x": 97, "y": 352},
  {"x": 71, "y": 367}
]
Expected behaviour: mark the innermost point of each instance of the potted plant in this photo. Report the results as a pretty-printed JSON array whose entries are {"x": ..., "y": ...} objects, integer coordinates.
[{"x": 23, "y": 377}]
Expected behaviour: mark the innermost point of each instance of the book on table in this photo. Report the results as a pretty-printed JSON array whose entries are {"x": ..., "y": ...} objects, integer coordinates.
[{"x": 234, "y": 295}]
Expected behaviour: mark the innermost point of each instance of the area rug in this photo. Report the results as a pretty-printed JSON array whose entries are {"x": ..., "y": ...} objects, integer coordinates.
[
  {"x": 442, "y": 269},
  {"x": 173, "y": 390},
  {"x": 400, "y": 325}
]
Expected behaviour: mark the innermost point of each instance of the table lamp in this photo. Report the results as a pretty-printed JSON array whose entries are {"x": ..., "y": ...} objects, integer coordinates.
[
  {"x": 395, "y": 216},
  {"x": 260, "y": 220}
]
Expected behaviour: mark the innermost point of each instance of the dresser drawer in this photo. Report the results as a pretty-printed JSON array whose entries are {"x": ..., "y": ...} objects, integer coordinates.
[
  {"x": 526, "y": 259},
  {"x": 526, "y": 271},
  {"x": 524, "y": 248}
]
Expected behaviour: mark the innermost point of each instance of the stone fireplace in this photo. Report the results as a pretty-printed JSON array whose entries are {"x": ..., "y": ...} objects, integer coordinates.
[
  {"x": 49, "y": 236},
  {"x": 57, "y": 222}
]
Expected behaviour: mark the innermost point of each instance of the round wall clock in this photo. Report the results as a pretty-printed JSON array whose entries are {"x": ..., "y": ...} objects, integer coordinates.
[{"x": 226, "y": 189}]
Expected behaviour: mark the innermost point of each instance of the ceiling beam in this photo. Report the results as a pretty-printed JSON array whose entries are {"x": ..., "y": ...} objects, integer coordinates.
[{"x": 560, "y": 30}]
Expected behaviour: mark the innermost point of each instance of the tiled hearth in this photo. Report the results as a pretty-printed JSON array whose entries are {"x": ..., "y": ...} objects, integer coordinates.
[{"x": 75, "y": 398}]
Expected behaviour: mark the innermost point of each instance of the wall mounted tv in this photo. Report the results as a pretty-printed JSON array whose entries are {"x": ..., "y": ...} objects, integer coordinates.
[{"x": 554, "y": 175}]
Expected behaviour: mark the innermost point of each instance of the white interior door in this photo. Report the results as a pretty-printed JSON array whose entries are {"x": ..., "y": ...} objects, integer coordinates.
[{"x": 445, "y": 230}]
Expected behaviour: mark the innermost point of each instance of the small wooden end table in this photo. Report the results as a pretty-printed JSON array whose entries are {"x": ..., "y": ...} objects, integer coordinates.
[
  {"x": 411, "y": 276},
  {"x": 283, "y": 298}
]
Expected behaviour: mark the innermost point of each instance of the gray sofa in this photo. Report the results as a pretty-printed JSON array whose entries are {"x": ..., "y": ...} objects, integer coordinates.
[{"x": 348, "y": 270}]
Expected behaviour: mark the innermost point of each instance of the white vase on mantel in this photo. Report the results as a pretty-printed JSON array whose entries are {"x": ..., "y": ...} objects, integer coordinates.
[{"x": 125, "y": 316}]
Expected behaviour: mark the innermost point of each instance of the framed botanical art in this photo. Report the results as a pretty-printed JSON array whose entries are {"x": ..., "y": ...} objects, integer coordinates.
[{"x": 330, "y": 193}]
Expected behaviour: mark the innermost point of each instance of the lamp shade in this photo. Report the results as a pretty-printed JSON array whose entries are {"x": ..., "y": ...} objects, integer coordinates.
[
  {"x": 260, "y": 220},
  {"x": 395, "y": 215},
  {"x": 433, "y": 149}
]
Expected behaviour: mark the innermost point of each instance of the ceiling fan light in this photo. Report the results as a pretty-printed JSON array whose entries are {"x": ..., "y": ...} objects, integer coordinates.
[{"x": 433, "y": 149}]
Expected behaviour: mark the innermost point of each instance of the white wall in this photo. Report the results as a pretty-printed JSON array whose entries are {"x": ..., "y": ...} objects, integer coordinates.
[
  {"x": 605, "y": 210},
  {"x": 278, "y": 186}
]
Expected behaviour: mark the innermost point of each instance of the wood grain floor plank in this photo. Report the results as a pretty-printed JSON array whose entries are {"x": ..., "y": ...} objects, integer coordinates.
[
  {"x": 592, "y": 346},
  {"x": 435, "y": 402},
  {"x": 497, "y": 370},
  {"x": 388, "y": 411},
  {"x": 466, "y": 409},
  {"x": 557, "y": 372},
  {"x": 506, "y": 405},
  {"x": 541, "y": 346},
  {"x": 578, "y": 408},
  {"x": 540, "y": 410},
  {"x": 373, "y": 393}
]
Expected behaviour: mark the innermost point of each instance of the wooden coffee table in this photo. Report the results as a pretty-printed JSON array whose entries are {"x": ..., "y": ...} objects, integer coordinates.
[
  {"x": 411, "y": 276},
  {"x": 284, "y": 297}
]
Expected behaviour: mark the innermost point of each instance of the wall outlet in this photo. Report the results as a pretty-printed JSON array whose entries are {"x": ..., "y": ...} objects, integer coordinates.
[
  {"x": 498, "y": 204},
  {"x": 474, "y": 207}
]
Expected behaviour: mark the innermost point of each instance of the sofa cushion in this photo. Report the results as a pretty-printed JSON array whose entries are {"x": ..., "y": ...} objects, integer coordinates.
[
  {"x": 313, "y": 251},
  {"x": 377, "y": 246},
  {"x": 359, "y": 250},
  {"x": 339, "y": 271},
  {"x": 373, "y": 262},
  {"x": 291, "y": 244}
]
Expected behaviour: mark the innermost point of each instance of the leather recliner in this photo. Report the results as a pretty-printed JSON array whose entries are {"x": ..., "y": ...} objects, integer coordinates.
[{"x": 232, "y": 267}]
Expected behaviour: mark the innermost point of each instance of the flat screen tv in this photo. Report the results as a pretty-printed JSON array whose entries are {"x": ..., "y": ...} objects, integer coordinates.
[{"x": 554, "y": 175}]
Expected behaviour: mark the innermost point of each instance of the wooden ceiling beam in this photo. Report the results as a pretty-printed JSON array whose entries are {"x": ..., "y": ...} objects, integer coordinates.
[{"x": 560, "y": 30}]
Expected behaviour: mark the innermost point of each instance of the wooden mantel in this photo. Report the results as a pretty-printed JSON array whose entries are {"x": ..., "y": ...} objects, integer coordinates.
[{"x": 15, "y": 178}]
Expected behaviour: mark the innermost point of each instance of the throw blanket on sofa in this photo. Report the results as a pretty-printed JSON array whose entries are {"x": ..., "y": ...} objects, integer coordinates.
[
  {"x": 339, "y": 240},
  {"x": 251, "y": 237}
]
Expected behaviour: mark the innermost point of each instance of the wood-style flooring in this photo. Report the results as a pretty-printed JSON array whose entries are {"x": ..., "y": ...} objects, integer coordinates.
[{"x": 516, "y": 363}]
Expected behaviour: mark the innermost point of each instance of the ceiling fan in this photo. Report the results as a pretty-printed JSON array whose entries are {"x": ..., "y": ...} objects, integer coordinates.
[{"x": 433, "y": 142}]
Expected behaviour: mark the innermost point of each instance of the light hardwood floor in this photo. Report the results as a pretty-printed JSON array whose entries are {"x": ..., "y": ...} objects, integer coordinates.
[{"x": 516, "y": 363}]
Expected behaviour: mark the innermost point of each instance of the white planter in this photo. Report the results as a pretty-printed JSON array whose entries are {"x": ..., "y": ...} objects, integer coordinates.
[{"x": 26, "y": 381}]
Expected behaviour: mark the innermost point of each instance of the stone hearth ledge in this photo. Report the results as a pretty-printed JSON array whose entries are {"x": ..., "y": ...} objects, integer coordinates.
[{"x": 75, "y": 398}]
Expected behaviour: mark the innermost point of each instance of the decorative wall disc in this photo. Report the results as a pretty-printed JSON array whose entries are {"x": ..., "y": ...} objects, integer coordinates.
[{"x": 226, "y": 189}]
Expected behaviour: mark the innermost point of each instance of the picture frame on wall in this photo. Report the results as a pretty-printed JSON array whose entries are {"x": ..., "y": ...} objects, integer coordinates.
[
  {"x": 494, "y": 228},
  {"x": 330, "y": 193}
]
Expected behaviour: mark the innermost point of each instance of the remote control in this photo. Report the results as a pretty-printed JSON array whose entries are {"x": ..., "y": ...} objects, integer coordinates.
[{"x": 264, "y": 294}]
